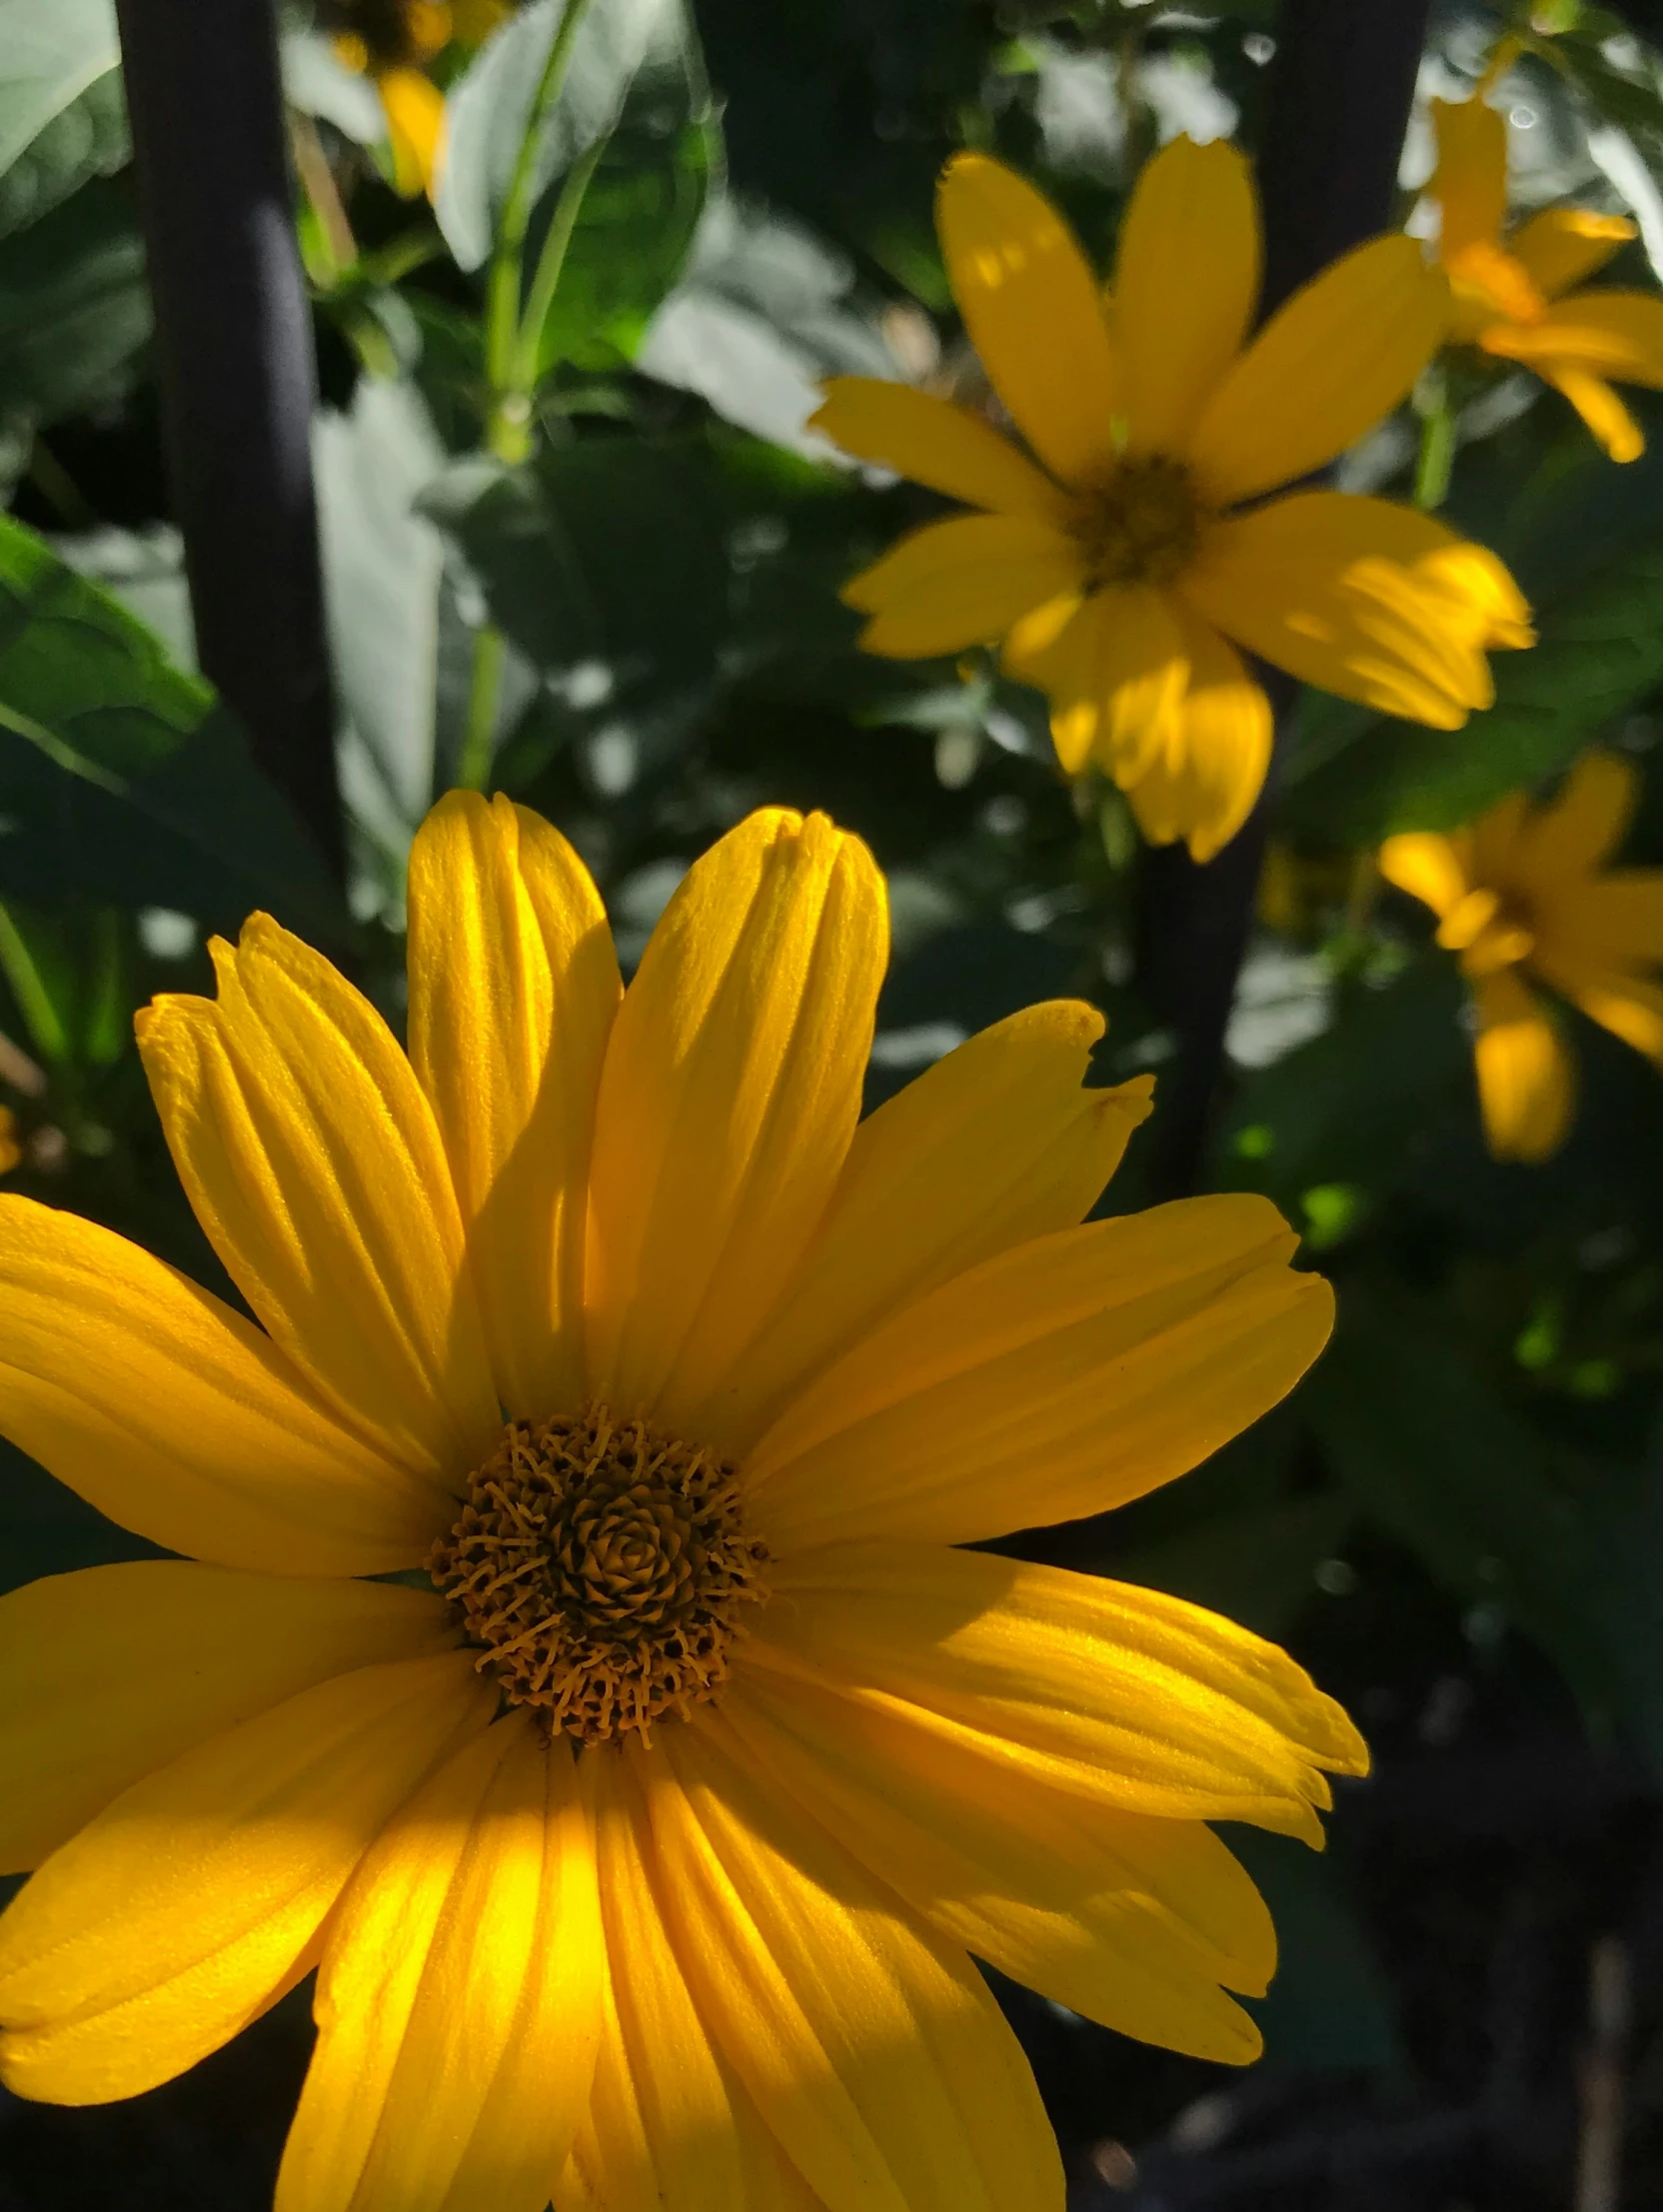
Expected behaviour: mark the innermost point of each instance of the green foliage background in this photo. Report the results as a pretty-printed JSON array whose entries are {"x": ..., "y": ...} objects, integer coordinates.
[{"x": 598, "y": 570}]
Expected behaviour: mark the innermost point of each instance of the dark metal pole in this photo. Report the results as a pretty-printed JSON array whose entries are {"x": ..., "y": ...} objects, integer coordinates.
[
  {"x": 1342, "y": 81},
  {"x": 234, "y": 351}
]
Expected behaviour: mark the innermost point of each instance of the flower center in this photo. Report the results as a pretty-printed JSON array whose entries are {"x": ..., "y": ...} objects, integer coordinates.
[
  {"x": 1491, "y": 929},
  {"x": 1490, "y": 286},
  {"x": 1142, "y": 525},
  {"x": 602, "y": 1568}
]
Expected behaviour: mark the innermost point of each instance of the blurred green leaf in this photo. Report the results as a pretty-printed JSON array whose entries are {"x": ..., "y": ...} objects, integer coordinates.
[
  {"x": 606, "y": 556},
  {"x": 761, "y": 319},
  {"x": 1424, "y": 1445},
  {"x": 1344, "y": 1108},
  {"x": 121, "y": 780},
  {"x": 1600, "y": 650},
  {"x": 490, "y": 105},
  {"x": 1257, "y": 1566},
  {"x": 1328, "y": 2010},
  {"x": 62, "y": 118},
  {"x": 634, "y": 232},
  {"x": 89, "y": 139},
  {"x": 74, "y": 308},
  {"x": 46, "y": 1530}
]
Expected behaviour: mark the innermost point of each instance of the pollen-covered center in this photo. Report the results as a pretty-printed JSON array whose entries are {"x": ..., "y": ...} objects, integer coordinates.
[
  {"x": 604, "y": 1570},
  {"x": 1140, "y": 525}
]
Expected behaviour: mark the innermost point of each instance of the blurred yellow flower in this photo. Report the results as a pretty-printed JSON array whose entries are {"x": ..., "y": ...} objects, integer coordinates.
[
  {"x": 10, "y": 1149},
  {"x": 1119, "y": 561},
  {"x": 642, "y": 1849},
  {"x": 1521, "y": 895},
  {"x": 392, "y": 41},
  {"x": 1514, "y": 298}
]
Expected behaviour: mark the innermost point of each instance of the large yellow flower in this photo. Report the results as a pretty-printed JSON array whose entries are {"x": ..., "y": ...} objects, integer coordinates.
[
  {"x": 1514, "y": 300},
  {"x": 1119, "y": 561},
  {"x": 1521, "y": 893},
  {"x": 641, "y": 1853}
]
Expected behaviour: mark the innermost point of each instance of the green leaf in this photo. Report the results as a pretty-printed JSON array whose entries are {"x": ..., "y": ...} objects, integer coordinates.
[
  {"x": 1330, "y": 2009},
  {"x": 89, "y": 139},
  {"x": 46, "y": 1530},
  {"x": 489, "y": 106},
  {"x": 1257, "y": 1565},
  {"x": 761, "y": 319},
  {"x": 606, "y": 556},
  {"x": 74, "y": 308},
  {"x": 1346, "y": 1107},
  {"x": 56, "y": 60},
  {"x": 633, "y": 234},
  {"x": 122, "y": 781},
  {"x": 1600, "y": 650},
  {"x": 1425, "y": 1446}
]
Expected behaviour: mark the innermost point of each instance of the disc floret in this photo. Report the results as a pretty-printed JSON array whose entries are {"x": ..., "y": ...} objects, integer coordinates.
[{"x": 603, "y": 1569}]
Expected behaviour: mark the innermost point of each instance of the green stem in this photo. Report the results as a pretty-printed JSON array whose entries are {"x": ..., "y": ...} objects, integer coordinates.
[
  {"x": 1437, "y": 454},
  {"x": 483, "y": 689},
  {"x": 550, "y": 261},
  {"x": 510, "y": 412}
]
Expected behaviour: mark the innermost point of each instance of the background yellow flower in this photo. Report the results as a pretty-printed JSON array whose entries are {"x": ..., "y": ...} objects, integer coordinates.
[
  {"x": 1514, "y": 297},
  {"x": 1126, "y": 562},
  {"x": 641, "y": 1853},
  {"x": 1522, "y": 894}
]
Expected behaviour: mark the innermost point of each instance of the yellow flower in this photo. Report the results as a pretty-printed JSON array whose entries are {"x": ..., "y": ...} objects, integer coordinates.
[
  {"x": 1521, "y": 893},
  {"x": 10, "y": 1149},
  {"x": 1514, "y": 300},
  {"x": 391, "y": 41},
  {"x": 1119, "y": 561},
  {"x": 641, "y": 1853}
]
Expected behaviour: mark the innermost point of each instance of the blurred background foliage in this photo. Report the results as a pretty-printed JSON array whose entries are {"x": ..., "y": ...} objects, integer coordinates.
[{"x": 596, "y": 566}]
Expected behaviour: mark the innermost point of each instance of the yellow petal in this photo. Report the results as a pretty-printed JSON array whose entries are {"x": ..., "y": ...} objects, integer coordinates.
[
  {"x": 1187, "y": 280},
  {"x": 1362, "y": 598},
  {"x": 1033, "y": 311},
  {"x": 1616, "y": 921},
  {"x": 872, "y": 2049},
  {"x": 1201, "y": 786},
  {"x": 1564, "y": 245},
  {"x": 1132, "y": 1922},
  {"x": 191, "y": 1903},
  {"x": 414, "y": 128},
  {"x": 313, "y": 1161},
  {"x": 1526, "y": 1081},
  {"x": 731, "y": 1091},
  {"x": 512, "y": 991},
  {"x": 1601, "y": 410},
  {"x": 1342, "y": 353},
  {"x": 1584, "y": 824},
  {"x": 995, "y": 1143},
  {"x": 171, "y": 1415},
  {"x": 1601, "y": 334},
  {"x": 459, "y": 1996},
  {"x": 1068, "y": 1375},
  {"x": 956, "y": 584},
  {"x": 1428, "y": 866},
  {"x": 670, "y": 2129},
  {"x": 1116, "y": 677},
  {"x": 1628, "y": 1006},
  {"x": 1471, "y": 180},
  {"x": 110, "y": 1673},
  {"x": 935, "y": 443},
  {"x": 1117, "y": 1694}
]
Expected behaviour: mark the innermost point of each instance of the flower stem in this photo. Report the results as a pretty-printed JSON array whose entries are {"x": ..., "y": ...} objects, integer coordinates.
[
  {"x": 1436, "y": 459},
  {"x": 484, "y": 684},
  {"x": 509, "y": 425}
]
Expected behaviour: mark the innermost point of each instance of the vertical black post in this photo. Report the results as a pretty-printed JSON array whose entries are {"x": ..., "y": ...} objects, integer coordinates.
[
  {"x": 1342, "y": 81},
  {"x": 234, "y": 351}
]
